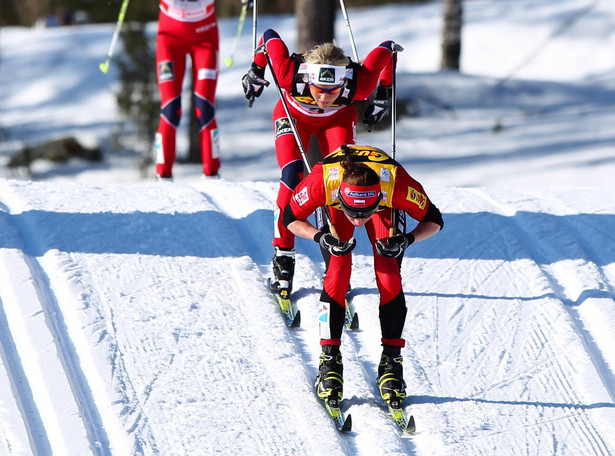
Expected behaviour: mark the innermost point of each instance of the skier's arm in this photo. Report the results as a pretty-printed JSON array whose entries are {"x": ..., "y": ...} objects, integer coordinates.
[
  {"x": 277, "y": 51},
  {"x": 376, "y": 69},
  {"x": 326, "y": 240},
  {"x": 410, "y": 197},
  {"x": 425, "y": 230},
  {"x": 302, "y": 228}
]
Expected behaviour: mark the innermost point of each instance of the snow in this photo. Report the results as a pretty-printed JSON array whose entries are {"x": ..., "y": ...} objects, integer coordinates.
[{"x": 134, "y": 317}]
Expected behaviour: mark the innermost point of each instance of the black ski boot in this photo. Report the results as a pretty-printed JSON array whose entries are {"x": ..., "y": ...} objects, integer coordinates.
[
  {"x": 330, "y": 380},
  {"x": 391, "y": 375},
  {"x": 283, "y": 271}
]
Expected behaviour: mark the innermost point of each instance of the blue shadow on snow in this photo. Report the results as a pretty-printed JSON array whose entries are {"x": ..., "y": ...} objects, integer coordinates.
[{"x": 541, "y": 237}]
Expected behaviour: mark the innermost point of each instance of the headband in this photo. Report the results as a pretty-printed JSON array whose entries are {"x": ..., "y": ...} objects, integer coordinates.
[
  {"x": 326, "y": 74},
  {"x": 360, "y": 196}
]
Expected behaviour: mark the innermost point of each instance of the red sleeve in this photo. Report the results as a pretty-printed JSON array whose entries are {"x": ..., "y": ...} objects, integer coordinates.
[
  {"x": 308, "y": 195},
  {"x": 410, "y": 196},
  {"x": 376, "y": 67},
  {"x": 281, "y": 62}
]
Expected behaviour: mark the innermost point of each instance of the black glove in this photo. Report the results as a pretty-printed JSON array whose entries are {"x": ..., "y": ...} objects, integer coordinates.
[
  {"x": 394, "y": 246},
  {"x": 336, "y": 247},
  {"x": 254, "y": 83},
  {"x": 248, "y": 3},
  {"x": 379, "y": 107}
]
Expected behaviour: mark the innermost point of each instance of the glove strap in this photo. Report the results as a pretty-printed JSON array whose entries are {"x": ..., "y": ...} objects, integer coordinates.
[
  {"x": 384, "y": 92},
  {"x": 258, "y": 71}
]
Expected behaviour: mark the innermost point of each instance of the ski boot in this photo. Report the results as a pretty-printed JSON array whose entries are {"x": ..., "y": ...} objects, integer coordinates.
[
  {"x": 391, "y": 375},
  {"x": 330, "y": 380},
  {"x": 283, "y": 271}
]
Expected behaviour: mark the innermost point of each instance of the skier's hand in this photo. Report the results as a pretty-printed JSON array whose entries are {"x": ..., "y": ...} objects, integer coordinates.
[
  {"x": 254, "y": 83},
  {"x": 394, "y": 246},
  {"x": 247, "y": 3},
  {"x": 336, "y": 247},
  {"x": 379, "y": 107}
]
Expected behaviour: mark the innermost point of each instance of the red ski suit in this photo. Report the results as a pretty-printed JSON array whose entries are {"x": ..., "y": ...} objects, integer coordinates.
[
  {"x": 187, "y": 28},
  {"x": 400, "y": 191},
  {"x": 332, "y": 127}
]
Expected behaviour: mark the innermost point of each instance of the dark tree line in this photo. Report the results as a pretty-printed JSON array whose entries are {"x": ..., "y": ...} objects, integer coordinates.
[{"x": 27, "y": 12}]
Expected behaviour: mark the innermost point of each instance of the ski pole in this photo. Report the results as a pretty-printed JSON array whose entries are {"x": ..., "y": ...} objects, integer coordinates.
[
  {"x": 242, "y": 17},
  {"x": 104, "y": 67},
  {"x": 254, "y": 19},
  {"x": 395, "y": 215},
  {"x": 306, "y": 160},
  {"x": 352, "y": 44},
  {"x": 396, "y": 48}
]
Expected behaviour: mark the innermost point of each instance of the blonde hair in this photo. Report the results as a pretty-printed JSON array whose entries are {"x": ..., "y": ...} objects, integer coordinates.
[{"x": 327, "y": 54}]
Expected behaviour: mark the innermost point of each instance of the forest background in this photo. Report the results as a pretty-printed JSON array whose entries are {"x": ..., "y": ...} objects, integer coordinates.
[{"x": 64, "y": 12}]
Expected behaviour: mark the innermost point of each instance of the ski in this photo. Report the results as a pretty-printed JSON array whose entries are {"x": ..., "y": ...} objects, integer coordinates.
[
  {"x": 343, "y": 423},
  {"x": 404, "y": 421},
  {"x": 292, "y": 316}
]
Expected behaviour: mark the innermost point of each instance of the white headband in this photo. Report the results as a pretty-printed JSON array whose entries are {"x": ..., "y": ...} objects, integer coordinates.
[{"x": 326, "y": 74}]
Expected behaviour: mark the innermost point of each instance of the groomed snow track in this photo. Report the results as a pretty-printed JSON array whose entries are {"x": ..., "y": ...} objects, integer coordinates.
[{"x": 46, "y": 358}]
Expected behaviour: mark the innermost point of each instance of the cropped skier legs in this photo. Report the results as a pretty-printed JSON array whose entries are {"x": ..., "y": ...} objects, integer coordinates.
[{"x": 176, "y": 40}]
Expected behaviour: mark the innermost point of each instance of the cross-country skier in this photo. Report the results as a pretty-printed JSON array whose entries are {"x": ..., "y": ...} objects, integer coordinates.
[
  {"x": 360, "y": 185},
  {"x": 187, "y": 28},
  {"x": 319, "y": 89}
]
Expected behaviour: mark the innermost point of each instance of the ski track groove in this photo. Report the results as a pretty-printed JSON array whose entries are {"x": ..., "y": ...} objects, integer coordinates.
[
  {"x": 20, "y": 386},
  {"x": 598, "y": 358},
  {"x": 587, "y": 430},
  {"x": 143, "y": 440},
  {"x": 68, "y": 358}
]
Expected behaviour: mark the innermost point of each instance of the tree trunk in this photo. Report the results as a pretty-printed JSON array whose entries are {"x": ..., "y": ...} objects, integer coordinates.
[
  {"x": 315, "y": 23},
  {"x": 451, "y": 37}
]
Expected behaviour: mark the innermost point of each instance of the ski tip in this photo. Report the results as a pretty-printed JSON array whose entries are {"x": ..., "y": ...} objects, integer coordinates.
[
  {"x": 297, "y": 320},
  {"x": 354, "y": 325},
  {"x": 411, "y": 428},
  {"x": 347, "y": 427}
]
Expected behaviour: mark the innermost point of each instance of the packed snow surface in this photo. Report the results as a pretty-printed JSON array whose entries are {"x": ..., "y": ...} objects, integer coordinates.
[{"x": 134, "y": 318}]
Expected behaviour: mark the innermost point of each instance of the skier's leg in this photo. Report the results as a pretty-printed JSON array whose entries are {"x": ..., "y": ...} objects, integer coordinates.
[
  {"x": 205, "y": 74},
  {"x": 392, "y": 312},
  {"x": 332, "y": 314},
  {"x": 341, "y": 129},
  {"x": 292, "y": 172},
  {"x": 170, "y": 69}
]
